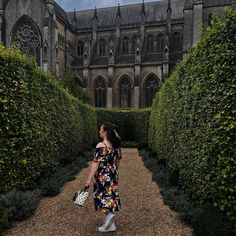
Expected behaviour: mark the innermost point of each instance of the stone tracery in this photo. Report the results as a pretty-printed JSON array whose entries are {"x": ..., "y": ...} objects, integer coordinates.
[{"x": 26, "y": 36}]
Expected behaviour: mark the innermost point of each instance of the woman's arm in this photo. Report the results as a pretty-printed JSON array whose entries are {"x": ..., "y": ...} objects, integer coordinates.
[
  {"x": 93, "y": 169},
  {"x": 95, "y": 163},
  {"x": 118, "y": 163}
]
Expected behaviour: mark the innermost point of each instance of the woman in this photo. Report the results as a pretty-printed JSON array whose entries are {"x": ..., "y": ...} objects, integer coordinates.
[{"x": 104, "y": 169}]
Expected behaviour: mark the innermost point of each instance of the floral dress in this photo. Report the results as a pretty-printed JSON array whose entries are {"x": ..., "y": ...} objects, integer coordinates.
[{"x": 106, "y": 193}]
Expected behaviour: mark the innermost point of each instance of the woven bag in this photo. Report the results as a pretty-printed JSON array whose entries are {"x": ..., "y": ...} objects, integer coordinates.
[{"x": 81, "y": 197}]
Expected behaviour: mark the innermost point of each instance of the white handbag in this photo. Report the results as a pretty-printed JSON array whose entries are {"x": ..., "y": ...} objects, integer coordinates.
[{"x": 81, "y": 197}]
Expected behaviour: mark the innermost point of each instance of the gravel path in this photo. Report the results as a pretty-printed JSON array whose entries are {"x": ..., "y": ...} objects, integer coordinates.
[{"x": 143, "y": 211}]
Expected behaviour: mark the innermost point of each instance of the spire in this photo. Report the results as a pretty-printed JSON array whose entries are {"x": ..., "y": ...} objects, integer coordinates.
[
  {"x": 143, "y": 9},
  {"x": 95, "y": 24},
  {"x": 74, "y": 16},
  {"x": 118, "y": 14},
  {"x": 143, "y": 15},
  {"x": 118, "y": 17},
  {"x": 1, "y": 4},
  {"x": 169, "y": 15},
  {"x": 95, "y": 16},
  {"x": 169, "y": 6}
]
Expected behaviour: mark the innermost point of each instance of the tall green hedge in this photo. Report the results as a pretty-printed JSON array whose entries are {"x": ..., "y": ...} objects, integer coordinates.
[
  {"x": 193, "y": 117},
  {"x": 41, "y": 124},
  {"x": 132, "y": 124}
]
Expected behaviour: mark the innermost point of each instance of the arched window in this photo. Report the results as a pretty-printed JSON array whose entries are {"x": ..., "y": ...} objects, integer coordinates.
[
  {"x": 26, "y": 35},
  {"x": 125, "y": 92},
  {"x": 160, "y": 43},
  {"x": 151, "y": 87},
  {"x": 45, "y": 52},
  {"x": 80, "y": 48},
  {"x": 150, "y": 43},
  {"x": 100, "y": 92},
  {"x": 125, "y": 45},
  {"x": 59, "y": 40},
  {"x": 134, "y": 44},
  {"x": 176, "y": 42},
  {"x": 102, "y": 47}
]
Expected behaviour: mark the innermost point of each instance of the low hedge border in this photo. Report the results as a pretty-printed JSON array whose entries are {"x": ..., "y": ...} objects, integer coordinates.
[
  {"x": 17, "y": 205},
  {"x": 127, "y": 120},
  {"x": 203, "y": 217}
]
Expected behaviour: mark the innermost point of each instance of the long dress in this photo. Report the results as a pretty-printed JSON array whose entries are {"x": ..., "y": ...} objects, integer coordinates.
[{"x": 105, "y": 189}]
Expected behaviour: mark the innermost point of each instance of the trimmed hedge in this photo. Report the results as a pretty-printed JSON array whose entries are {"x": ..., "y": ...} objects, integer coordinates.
[
  {"x": 131, "y": 124},
  {"x": 18, "y": 205},
  {"x": 41, "y": 124},
  {"x": 203, "y": 217},
  {"x": 193, "y": 117}
]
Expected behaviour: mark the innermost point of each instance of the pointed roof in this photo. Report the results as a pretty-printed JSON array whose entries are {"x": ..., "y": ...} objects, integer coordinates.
[
  {"x": 4, "y": 3},
  {"x": 60, "y": 12},
  {"x": 74, "y": 16},
  {"x": 143, "y": 12},
  {"x": 95, "y": 15},
  {"x": 155, "y": 11},
  {"x": 169, "y": 6},
  {"x": 118, "y": 14}
]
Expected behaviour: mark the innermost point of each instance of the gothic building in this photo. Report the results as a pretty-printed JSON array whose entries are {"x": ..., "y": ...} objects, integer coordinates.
[{"x": 121, "y": 54}]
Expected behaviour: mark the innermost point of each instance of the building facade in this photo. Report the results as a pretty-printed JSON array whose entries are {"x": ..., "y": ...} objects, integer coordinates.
[{"x": 121, "y": 55}]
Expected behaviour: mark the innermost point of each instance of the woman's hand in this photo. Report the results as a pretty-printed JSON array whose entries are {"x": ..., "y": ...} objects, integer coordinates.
[{"x": 88, "y": 182}]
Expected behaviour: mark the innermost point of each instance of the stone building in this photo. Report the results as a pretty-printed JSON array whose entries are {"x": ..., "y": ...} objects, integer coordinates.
[{"x": 121, "y": 54}]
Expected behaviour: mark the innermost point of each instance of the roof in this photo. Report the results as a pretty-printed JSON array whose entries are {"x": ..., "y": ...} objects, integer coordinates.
[
  {"x": 78, "y": 62},
  {"x": 4, "y": 3},
  {"x": 61, "y": 13},
  {"x": 123, "y": 59},
  {"x": 130, "y": 14}
]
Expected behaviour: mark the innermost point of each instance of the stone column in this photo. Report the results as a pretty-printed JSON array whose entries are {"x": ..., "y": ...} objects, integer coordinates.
[
  {"x": 87, "y": 82},
  {"x": 136, "y": 97},
  {"x": 1, "y": 21},
  {"x": 109, "y": 97},
  {"x": 197, "y": 20},
  {"x": 50, "y": 33},
  {"x": 165, "y": 68},
  {"x": 86, "y": 59},
  {"x": 109, "y": 86},
  {"x": 137, "y": 68}
]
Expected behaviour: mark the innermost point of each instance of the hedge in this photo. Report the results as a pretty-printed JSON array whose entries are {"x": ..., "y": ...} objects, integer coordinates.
[
  {"x": 41, "y": 124},
  {"x": 131, "y": 124},
  {"x": 193, "y": 117}
]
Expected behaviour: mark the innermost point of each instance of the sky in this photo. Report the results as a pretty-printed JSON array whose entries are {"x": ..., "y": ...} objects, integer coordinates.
[{"x": 69, "y": 5}]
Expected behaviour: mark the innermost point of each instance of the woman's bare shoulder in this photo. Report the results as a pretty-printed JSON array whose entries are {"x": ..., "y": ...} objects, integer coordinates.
[{"x": 101, "y": 144}]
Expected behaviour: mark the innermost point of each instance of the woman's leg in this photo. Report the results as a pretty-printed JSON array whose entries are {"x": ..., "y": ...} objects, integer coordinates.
[
  {"x": 108, "y": 223},
  {"x": 109, "y": 219}
]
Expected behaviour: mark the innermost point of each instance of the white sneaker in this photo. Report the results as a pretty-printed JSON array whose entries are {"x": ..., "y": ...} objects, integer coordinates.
[
  {"x": 111, "y": 229},
  {"x": 109, "y": 219}
]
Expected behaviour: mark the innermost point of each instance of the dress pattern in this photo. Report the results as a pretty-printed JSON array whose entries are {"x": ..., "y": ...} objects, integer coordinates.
[{"x": 106, "y": 193}]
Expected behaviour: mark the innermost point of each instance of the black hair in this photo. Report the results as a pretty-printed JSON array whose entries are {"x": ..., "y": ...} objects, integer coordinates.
[{"x": 112, "y": 134}]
